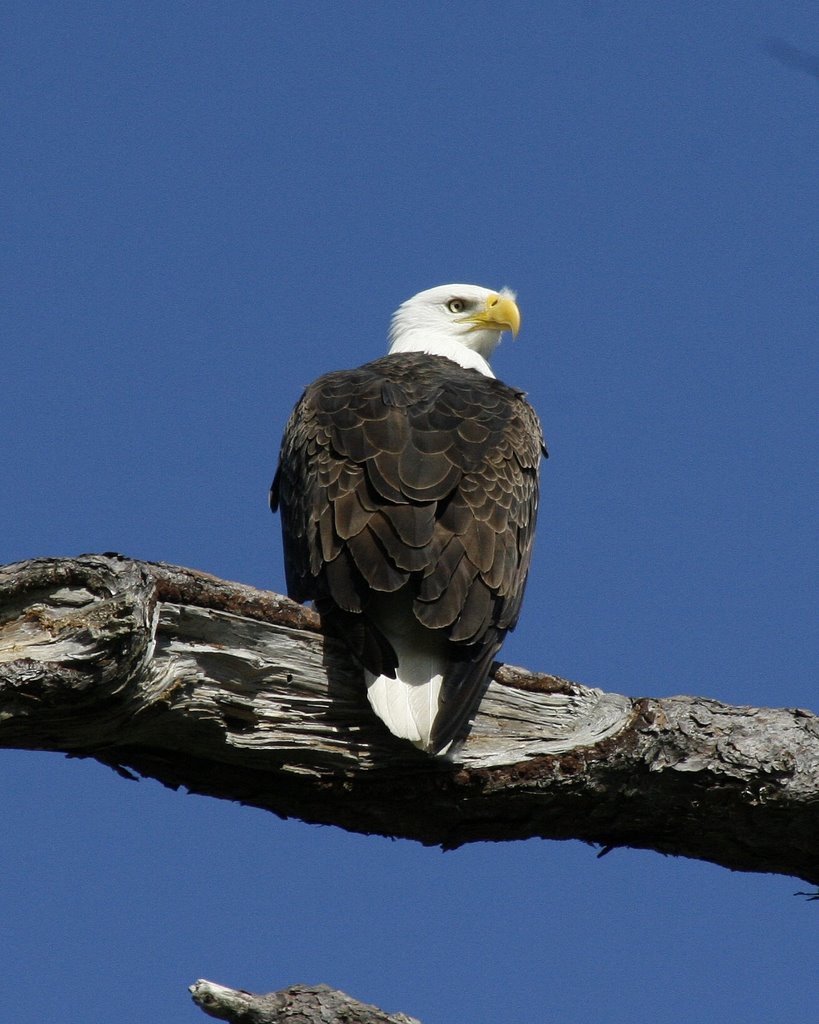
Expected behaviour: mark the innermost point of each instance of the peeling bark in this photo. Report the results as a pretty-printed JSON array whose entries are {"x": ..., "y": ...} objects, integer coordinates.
[
  {"x": 234, "y": 693},
  {"x": 298, "y": 1004}
]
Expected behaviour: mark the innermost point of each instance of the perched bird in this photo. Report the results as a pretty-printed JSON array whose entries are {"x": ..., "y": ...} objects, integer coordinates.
[{"x": 408, "y": 491}]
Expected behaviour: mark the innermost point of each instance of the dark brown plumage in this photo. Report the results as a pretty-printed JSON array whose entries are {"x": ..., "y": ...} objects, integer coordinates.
[{"x": 412, "y": 476}]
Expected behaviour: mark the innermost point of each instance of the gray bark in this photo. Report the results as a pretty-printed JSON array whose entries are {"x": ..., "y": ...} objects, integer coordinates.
[
  {"x": 233, "y": 692},
  {"x": 298, "y": 1004}
]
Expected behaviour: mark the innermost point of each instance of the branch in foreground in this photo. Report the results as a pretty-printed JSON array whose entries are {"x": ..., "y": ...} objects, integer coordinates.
[
  {"x": 299, "y": 1004},
  {"x": 234, "y": 693}
]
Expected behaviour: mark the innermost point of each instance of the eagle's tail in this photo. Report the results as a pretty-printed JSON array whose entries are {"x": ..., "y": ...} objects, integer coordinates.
[{"x": 408, "y": 703}]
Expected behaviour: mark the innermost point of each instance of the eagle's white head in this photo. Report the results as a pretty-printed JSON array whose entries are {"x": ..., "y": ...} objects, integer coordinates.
[{"x": 460, "y": 321}]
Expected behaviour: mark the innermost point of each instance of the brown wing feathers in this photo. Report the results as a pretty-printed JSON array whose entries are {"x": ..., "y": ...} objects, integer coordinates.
[{"x": 412, "y": 471}]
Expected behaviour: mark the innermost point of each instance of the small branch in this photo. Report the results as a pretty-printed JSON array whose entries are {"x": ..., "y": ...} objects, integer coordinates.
[
  {"x": 234, "y": 693},
  {"x": 299, "y": 1004}
]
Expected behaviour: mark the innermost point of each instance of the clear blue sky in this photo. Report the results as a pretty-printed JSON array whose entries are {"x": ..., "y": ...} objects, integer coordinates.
[{"x": 204, "y": 206}]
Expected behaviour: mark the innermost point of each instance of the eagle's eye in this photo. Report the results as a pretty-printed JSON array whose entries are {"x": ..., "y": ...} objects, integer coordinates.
[{"x": 456, "y": 305}]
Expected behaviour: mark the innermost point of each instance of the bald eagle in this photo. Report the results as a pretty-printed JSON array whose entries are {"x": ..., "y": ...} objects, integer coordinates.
[{"x": 408, "y": 491}]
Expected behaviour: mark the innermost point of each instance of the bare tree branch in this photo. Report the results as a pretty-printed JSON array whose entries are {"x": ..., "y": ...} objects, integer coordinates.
[
  {"x": 298, "y": 1004},
  {"x": 234, "y": 693}
]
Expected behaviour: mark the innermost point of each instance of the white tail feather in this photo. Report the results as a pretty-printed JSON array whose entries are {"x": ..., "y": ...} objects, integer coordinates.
[{"x": 408, "y": 704}]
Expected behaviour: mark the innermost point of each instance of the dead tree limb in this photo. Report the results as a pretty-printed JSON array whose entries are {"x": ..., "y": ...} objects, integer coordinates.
[
  {"x": 298, "y": 1004},
  {"x": 234, "y": 693}
]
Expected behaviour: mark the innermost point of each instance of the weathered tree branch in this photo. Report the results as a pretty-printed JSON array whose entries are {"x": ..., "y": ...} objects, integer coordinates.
[
  {"x": 298, "y": 1004},
  {"x": 234, "y": 693}
]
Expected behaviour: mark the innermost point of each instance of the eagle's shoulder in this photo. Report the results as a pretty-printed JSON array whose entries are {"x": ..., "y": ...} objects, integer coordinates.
[{"x": 436, "y": 401}]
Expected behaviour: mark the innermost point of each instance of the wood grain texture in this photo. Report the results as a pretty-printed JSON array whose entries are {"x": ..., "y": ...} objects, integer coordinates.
[{"x": 235, "y": 693}]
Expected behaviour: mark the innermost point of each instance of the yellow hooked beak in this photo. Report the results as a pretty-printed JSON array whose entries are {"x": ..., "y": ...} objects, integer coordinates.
[{"x": 500, "y": 312}]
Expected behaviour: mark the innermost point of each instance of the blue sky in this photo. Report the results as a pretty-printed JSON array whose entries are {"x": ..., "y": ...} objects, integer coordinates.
[{"x": 206, "y": 205}]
